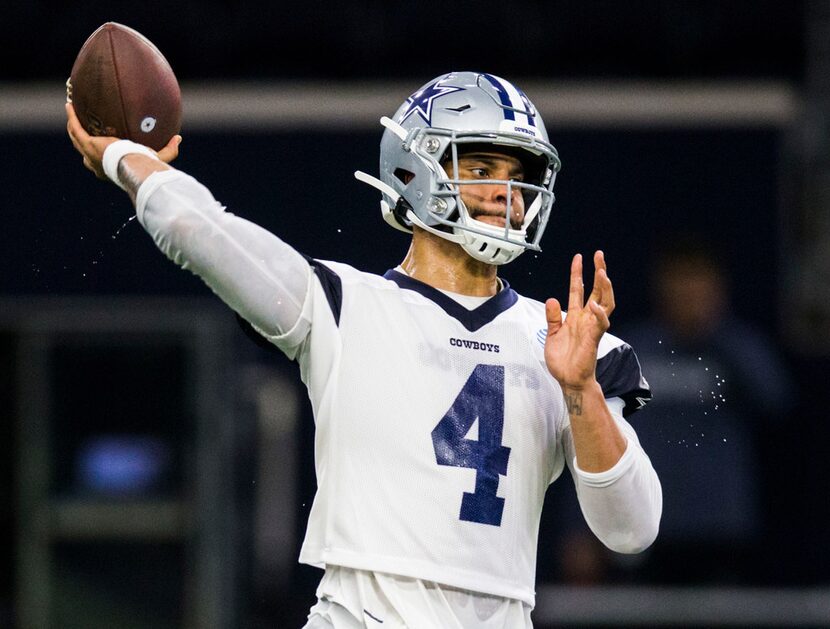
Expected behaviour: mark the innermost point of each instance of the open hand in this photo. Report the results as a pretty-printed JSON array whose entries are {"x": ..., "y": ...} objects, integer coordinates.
[
  {"x": 92, "y": 148},
  {"x": 571, "y": 345}
]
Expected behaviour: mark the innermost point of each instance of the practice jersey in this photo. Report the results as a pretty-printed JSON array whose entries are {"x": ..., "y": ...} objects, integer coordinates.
[{"x": 438, "y": 428}]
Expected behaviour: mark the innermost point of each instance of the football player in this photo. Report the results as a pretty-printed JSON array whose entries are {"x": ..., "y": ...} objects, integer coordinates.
[{"x": 445, "y": 403}]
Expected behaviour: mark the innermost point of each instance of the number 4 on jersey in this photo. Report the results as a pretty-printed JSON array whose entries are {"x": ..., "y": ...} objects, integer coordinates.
[{"x": 482, "y": 398}]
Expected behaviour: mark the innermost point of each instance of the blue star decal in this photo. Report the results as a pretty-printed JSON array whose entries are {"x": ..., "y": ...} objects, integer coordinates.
[{"x": 422, "y": 100}]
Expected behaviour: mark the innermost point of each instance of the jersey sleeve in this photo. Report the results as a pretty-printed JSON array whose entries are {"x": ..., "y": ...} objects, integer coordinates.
[
  {"x": 620, "y": 375},
  {"x": 622, "y": 505},
  {"x": 259, "y": 276}
]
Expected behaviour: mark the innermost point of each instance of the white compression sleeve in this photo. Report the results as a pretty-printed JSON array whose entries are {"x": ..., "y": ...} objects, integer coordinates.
[
  {"x": 623, "y": 505},
  {"x": 258, "y": 275}
]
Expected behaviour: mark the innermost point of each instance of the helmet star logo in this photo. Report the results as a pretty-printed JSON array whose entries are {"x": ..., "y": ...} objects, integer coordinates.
[{"x": 421, "y": 102}]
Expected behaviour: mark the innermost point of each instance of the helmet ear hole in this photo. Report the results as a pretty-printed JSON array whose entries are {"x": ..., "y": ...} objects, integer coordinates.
[{"x": 404, "y": 175}]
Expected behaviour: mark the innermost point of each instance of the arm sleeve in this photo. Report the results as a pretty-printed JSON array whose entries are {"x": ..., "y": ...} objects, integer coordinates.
[
  {"x": 622, "y": 505},
  {"x": 258, "y": 275}
]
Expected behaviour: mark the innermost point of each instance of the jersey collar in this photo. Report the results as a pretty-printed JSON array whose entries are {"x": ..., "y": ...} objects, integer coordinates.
[{"x": 472, "y": 320}]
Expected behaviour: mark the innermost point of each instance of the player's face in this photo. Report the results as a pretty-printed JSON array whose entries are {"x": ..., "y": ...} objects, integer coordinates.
[{"x": 488, "y": 202}]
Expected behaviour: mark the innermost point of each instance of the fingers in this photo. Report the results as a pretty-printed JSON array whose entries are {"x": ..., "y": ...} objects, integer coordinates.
[
  {"x": 171, "y": 151},
  {"x": 553, "y": 313},
  {"x": 603, "y": 291},
  {"x": 601, "y": 314},
  {"x": 576, "y": 294},
  {"x": 74, "y": 127},
  {"x": 79, "y": 137}
]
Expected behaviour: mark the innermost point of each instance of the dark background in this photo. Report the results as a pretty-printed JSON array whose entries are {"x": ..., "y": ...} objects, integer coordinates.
[
  {"x": 366, "y": 40},
  {"x": 621, "y": 189}
]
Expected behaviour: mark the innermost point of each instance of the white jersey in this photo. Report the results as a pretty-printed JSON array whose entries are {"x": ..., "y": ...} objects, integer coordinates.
[{"x": 438, "y": 429}]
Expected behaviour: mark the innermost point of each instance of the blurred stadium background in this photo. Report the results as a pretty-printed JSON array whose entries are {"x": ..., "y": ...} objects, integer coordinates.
[{"x": 156, "y": 467}]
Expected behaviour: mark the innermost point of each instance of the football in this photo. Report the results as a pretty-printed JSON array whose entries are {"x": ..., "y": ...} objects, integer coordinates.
[{"x": 121, "y": 85}]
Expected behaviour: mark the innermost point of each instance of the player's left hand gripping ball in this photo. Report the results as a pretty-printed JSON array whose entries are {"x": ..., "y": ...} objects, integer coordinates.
[{"x": 122, "y": 86}]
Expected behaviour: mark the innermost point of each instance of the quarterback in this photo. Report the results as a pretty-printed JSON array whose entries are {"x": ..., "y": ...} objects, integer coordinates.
[{"x": 445, "y": 403}]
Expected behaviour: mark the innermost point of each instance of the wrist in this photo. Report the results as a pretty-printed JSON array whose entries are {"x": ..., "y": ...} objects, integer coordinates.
[
  {"x": 581, "y": 387},
  {"x": 116, "y": 151}
]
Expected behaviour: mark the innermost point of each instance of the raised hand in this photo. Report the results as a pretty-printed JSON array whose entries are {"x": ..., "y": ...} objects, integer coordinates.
[{"x": 572, "y": 340}]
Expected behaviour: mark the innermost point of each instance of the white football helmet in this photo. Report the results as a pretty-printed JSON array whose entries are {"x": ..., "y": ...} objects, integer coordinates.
[{"x": 431, "y": 129}]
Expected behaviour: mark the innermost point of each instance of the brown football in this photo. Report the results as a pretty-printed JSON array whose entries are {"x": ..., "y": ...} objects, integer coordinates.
[{"x": 121, "y": 85}]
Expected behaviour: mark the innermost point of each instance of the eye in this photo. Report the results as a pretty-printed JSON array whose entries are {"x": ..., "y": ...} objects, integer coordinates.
[{"x": 479, "y": 171}]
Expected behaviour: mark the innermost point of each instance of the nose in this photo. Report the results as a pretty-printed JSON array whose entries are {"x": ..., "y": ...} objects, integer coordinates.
[{"x": 502, "y": 192}]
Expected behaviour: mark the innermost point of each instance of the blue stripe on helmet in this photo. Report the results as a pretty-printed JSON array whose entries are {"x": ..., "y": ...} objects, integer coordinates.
[
  {"x": 504, "y": 97},
  {"x": 531, "y": 113}
]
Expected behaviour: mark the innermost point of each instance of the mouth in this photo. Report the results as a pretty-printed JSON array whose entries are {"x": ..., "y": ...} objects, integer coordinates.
[
  {"x": 490, "y": 219},
  {"x": 498, "y": 220}
]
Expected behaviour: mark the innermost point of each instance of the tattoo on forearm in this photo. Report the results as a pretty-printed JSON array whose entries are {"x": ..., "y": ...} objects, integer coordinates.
[{"x": 574, "y": 403}]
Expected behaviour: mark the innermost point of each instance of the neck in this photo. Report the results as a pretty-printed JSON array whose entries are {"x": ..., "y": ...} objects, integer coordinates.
[{"x": 445, "y": 265}]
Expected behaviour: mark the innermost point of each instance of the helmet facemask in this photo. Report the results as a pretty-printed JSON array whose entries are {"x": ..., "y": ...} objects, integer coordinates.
[{"x": 484, "y": 241}]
